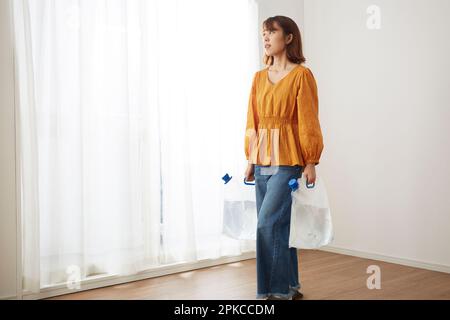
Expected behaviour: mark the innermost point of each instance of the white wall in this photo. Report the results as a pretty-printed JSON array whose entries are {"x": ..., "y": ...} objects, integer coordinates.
[
  {"x": 8, "y": 261},
  {"x": 384, "y": 106}
]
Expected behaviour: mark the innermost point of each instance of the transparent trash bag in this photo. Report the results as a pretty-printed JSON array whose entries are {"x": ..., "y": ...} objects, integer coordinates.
[
  {"x": 311, "y": 225},
  {"x": 239, "y": 209}
]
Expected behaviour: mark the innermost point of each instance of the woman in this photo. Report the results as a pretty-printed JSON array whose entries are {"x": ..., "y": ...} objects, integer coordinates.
[{"x": 283, "y": 141}]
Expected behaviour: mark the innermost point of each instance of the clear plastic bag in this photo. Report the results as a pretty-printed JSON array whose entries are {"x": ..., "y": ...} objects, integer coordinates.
[
  {"x": 239, "y": 209},
  {"x": 311, "y": 224}
]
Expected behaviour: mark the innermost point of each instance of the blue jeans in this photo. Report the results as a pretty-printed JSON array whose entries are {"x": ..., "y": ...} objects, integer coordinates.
[{"x": 276, "y": 263}]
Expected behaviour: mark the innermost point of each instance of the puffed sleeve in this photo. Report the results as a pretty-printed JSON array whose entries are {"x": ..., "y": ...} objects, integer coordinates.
[
  {"x": 311, "y": 140},
  {"x": 251, "y": 128}
]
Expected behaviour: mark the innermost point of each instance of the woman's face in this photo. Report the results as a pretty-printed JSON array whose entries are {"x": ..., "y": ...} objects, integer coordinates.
[{"x": 274, "y": 41}]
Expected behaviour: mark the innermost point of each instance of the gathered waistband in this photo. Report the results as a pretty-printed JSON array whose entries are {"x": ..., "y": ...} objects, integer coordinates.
[{"x": 277, "y": 120}]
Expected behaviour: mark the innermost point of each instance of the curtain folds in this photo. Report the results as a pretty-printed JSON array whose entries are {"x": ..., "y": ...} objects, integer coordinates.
[{"x": 130, "y": 112}]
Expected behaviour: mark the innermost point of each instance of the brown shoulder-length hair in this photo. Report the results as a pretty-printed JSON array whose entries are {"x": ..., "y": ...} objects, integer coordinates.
[{"x": 294, "y": 50}]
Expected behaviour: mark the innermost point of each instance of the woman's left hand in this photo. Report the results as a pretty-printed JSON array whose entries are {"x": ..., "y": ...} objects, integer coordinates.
[{"x": 310, "y": 173}]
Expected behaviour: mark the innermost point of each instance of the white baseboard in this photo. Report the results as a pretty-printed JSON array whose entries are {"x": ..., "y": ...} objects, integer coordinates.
[{"x": 375, "y": 256}]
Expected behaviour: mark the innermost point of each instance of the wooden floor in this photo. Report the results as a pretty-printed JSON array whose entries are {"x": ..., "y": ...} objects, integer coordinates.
[{"x": 323, "y": 275}]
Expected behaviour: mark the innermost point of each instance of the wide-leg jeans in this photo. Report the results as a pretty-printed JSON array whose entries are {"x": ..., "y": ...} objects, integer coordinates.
[{"x": 276, "y": 263}]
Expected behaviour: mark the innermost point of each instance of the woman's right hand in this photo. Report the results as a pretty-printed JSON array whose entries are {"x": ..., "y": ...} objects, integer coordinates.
[{"x": 250, "y": 172}]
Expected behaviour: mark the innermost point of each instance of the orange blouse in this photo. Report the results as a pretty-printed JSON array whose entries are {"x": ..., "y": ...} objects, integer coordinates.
[{"x": 283, "y": 120}]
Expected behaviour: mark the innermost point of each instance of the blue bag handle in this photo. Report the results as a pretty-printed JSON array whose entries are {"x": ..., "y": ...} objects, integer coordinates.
[
  {"x": 247, "y": 183},
  {"x": 313, "y": 184}
]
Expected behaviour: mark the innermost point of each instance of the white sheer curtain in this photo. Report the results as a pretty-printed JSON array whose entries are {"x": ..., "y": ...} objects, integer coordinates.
[{"x": 130, "y": 112}]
